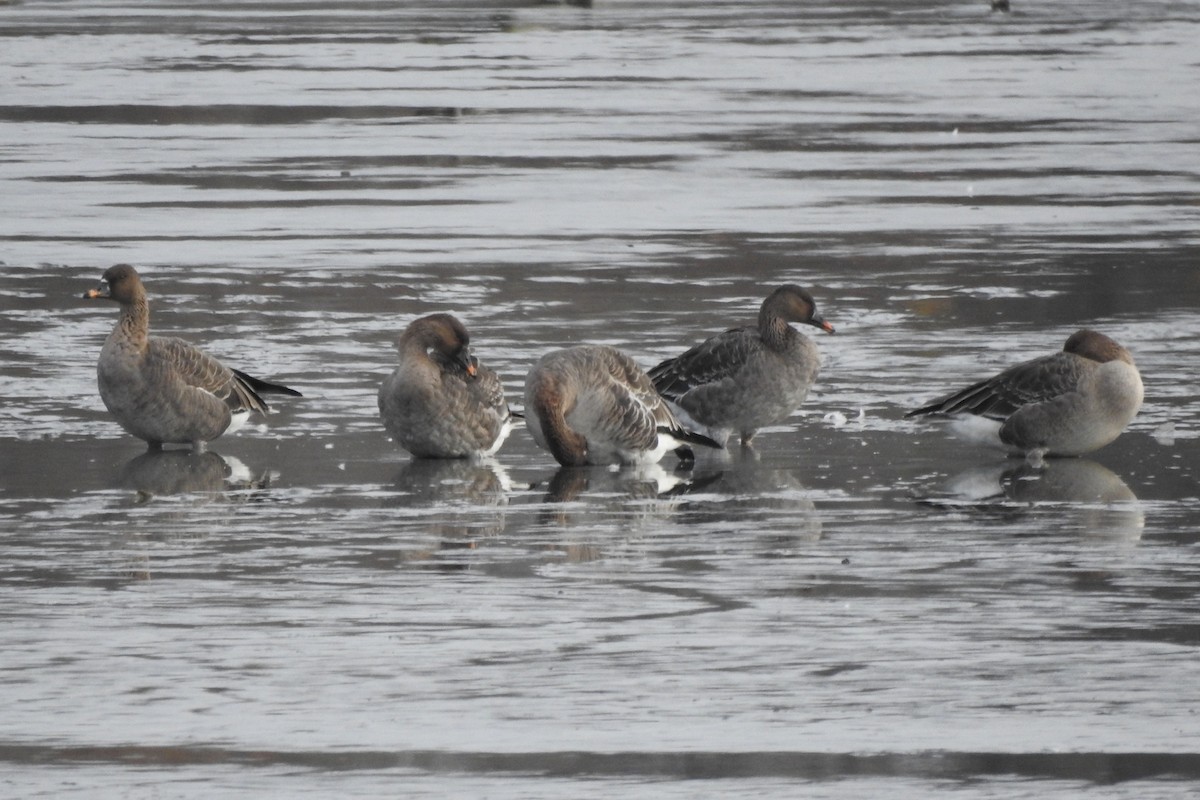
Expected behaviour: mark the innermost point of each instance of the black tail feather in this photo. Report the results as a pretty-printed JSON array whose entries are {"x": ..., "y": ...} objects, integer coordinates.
[
  {"x": 932, "y": 408},
  {"x": 980, "y": 399},
  {"x": 691, "y": 437},
  {"x": 266, "y": 387}
]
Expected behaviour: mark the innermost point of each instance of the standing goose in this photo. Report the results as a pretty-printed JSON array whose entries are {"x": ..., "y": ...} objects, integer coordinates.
[
  {"x": 163, "y": 390},
  {"x": 440, "y": 402},
  {"x": 594, "y": 405},
  {"x": 1065, "y": 404},
  {"x": 750, "y": 377}
]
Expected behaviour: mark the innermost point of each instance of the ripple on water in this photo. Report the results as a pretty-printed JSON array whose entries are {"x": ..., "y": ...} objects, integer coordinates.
[{"x": 861, "y": 603}]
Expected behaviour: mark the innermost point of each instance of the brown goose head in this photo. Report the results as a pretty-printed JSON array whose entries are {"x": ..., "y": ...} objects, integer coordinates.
[
  {"x": 1096, "y": 346},
  {"x": 120, "y": 283},
  {"x": 444, "y": 338},
  {"x": 792, "y": 304}
]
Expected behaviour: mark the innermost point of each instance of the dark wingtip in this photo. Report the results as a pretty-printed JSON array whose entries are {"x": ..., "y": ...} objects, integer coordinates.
[
  {"x": 259, "y": 385},
  {"x": 276, "y": 388},
  {"x": 691, "y": 437},
  {"x": 923, "y": 411}
]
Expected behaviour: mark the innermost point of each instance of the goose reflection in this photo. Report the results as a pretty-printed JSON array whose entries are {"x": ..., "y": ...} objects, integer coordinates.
[
  {"x": 174, "y": 472},
  {"x": 476, "y": 489},
  {"x": 612, "y": 507},
  {"x": 1106, "y": 506},
  {"x": 747, "y": 493},
  {"x": 1074, "y": 480},
  {"x": 635, "y": 493},
  {"x": 640, "y": 482}
]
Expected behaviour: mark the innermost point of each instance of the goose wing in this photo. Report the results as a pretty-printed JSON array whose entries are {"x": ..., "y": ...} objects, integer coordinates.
[
  {"x": 1035, "y": 381},
  {"x": 175, "y": 359},
  {"x": 488, "y": 390},
  {"x": 710, "y": 361},
  {"x": 626, "y": 409}
]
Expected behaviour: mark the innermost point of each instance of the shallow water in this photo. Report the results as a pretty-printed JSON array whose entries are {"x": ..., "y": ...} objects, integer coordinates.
[{"x": 861, "y": 606}]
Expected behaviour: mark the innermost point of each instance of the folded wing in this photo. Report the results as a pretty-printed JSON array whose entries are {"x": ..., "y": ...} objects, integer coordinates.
[{"x": 997, "y": 398}]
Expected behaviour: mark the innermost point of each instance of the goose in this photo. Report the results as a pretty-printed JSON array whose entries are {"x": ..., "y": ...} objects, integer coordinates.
[
  {"x": 1065, "y": 404},
  {"x": 592, "y": 404},
  {"x": 440, "y": 402},
  {"x": 161, "y": 389},
  {"x": 750, "y": 377}
]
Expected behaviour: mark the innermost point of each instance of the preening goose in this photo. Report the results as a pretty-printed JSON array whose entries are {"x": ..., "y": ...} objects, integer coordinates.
[
  {"x": 594, "y": 405},
  {"x": 440, "y": 402}
]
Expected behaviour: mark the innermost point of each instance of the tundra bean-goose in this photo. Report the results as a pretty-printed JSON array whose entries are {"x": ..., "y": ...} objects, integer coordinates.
[
  {"x": 1066, "y": 404},
  {"x": 593, "y": 404},
  {"x": 440, "y": 402},
  {"x": 163, "y": 390},
  {"x": 749, "y": 377}
]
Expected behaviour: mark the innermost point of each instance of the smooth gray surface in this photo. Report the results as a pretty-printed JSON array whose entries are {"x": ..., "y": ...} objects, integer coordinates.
[{"x": 864, "y": 606}]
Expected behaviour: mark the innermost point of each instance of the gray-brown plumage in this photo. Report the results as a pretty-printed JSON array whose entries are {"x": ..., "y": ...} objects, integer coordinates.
[
  {"x": 440, "y": 402},
  {"x": 164, "y": 390},
  {"x": 747, "y": 378},
  {"x": 593, "y": 404},
  {"x": 1069, "y": 403}
]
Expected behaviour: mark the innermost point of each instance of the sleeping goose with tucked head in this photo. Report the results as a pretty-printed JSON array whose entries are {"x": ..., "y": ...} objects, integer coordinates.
[
  {"x": 440, "y": 402},
  {"x": 750, "y": 377},
  {"x": 163, "y": 390},
  {"x": 592, "y": 404},
  {"x": 1066, "y": 404}
]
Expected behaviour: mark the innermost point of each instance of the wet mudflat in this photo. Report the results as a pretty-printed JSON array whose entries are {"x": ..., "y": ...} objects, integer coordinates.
[{"x": 861, "y": 606}]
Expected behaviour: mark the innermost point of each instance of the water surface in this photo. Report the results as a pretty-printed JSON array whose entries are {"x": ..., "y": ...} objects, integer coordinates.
[{"x": 862, "y": 606}]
